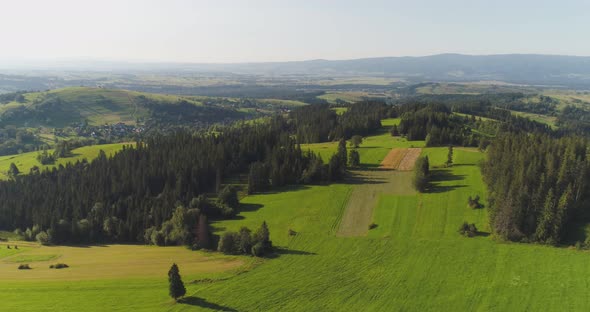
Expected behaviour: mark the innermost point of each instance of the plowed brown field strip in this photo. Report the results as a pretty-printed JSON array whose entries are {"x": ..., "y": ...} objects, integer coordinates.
[
  {"x": 409, "y": 160},
  {"x": 393, "y": 158},
  {"x": 401, "y": 159}
]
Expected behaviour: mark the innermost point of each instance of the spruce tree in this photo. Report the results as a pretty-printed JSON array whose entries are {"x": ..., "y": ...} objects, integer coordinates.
[
  {"x": 354, "y": 158},
  {"x": 342, "y": 155},
  {"x": 176, "y": 288},
  {"x": 13, "y": 170},
  {"x": 450, "y": 156}
]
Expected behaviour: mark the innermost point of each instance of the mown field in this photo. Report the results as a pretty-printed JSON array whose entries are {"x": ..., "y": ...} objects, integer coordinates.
[
  {"x": 26, "y": 161},
  {"x": 414, "y": 260}
]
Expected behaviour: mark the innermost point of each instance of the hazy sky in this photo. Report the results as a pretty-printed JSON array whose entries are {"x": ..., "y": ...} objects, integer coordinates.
[{"x": 237, "y": 31}]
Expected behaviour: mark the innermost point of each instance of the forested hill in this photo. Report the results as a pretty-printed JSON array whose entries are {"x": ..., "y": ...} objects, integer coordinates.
[{"x": 97, "y": 106}]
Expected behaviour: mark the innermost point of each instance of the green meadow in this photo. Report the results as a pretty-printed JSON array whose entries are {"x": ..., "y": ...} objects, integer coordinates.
[
  {"x": 413, "y": 260},
  {"x": 26, "y": 161}
]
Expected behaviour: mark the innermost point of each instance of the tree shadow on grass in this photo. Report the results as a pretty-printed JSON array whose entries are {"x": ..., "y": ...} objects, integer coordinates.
[
  {"x": 360, "y": 176},
  {"x": 250, "y": 207},
  {"x": 284, "y": 189},
  {"x": 81, "y": 245},
  {"x": 445, "y": 175},
  {"x": 203, "y": 303},
  {"x": 482, "y": 234},
  {"x": 434, "y": 189},
  {"x": 279, "y": 251},
  {"x": 364, "y": 180},
  {"x": 442, "y": 175}
]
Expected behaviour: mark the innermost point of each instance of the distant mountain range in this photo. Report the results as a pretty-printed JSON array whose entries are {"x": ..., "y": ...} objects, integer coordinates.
[{"x": 549, "y": 70}]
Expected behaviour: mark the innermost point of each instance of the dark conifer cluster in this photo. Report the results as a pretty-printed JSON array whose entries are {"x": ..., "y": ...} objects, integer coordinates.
[{"x": 537, "y": 185}]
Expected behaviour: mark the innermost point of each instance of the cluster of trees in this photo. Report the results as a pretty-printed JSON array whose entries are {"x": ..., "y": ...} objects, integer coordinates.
[
  {"x": 537, "y": 185},
  {"x": 469, "y": 230},
  {"x": 13, "y": 96},
  {"x": 245, "y": 242},
  {"x": 574, "y": 119},
  {"x": 319, "y": 123},
  {"x": 15, "y": 140},
  {"x": 436, "y": 125},
  {"x": 421, "y": 173},
  {"x": 289, "y": 165},
  {"x": 153, "y": 192},
  {"x": 62, "y": 149}
]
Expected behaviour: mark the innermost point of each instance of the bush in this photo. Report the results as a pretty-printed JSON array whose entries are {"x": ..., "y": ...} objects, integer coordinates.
[
  {"x": 228, "y": 243},
  {"x": 43, "y": 238},
  {"x": 468, "y": 230},
  {"x": 292, "y": 233},
  {"x": 474, "y": 202},
  {"x": 59, "y": 266},
  {"x": 158, "y": 238},
  {"x": 24, "y": 267},
  {"x": 372, "y": 226},
  {"x": 258, "y": 250}
]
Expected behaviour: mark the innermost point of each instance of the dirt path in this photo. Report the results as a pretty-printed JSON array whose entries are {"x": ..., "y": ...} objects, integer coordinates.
[{"x": 394, "y": 177}]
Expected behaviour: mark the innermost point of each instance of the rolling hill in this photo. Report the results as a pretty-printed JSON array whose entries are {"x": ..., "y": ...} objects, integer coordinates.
[{"x": 97, "y": 106}]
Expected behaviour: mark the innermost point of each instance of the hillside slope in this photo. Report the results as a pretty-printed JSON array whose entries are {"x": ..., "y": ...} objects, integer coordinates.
[{"x": 97, "y": 106}]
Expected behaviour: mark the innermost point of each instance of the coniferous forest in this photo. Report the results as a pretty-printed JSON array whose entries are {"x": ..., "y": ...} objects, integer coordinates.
[{"x": 165, "y": 188}]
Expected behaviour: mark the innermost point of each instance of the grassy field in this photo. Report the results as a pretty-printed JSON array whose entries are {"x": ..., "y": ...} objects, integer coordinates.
[
  {"x": 287, "y": 103},
  {"x": 473, "y": 88},
  {"x": 350, "y": 96},
  {"x": 414, "y": 260},
  {"x": 548, "y": 120},
  {"x": 26, "y": 161}
]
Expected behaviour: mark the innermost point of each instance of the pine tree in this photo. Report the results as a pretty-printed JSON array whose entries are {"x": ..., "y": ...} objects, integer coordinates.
[
  {"x": 342, "y": 154},
  {"x": 176, "y": 288},
  {"x": 13, "y": 170},
  {"x": 262, "y": 235},
  {"x": 450, "y": 156},
  {"x": 354, "y": 158}
]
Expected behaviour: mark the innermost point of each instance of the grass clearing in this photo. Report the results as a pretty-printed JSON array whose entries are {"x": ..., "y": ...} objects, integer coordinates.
[
  {"x": 368, "y": 186},
  {"x": 548, "y": 120},
  {"x": 26, "y": 161},
  {"x": 114, "y": 261},
  {"x": 31, "y": 258}
]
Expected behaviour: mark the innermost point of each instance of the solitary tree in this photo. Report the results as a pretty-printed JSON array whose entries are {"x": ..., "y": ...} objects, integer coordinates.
[
  {"x": 177, "y": 289},
  {"x": 450, "y": 156},
  {"x": 354, "y": 158},
  {"x": 262, "y": 235},
  {"x": 342, "y": 153},
  {"x": 356, "y": 140},
  {"x": 13, "y": 170},
  {"x": 394, "y": 131}
]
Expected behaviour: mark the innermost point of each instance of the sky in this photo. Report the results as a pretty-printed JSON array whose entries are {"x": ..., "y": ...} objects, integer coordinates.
[{"x": 220, "y": 31}]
